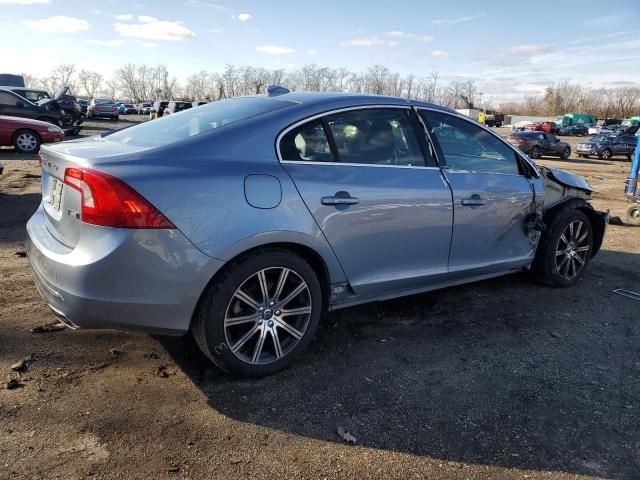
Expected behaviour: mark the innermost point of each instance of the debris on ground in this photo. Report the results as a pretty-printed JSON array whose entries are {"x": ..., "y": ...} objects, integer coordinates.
[
  {"x": 553, "y": 333},
  {"x": 162, "y": 371},
  {"x": 49, "y": 327},
  {"x": 151, "y": 355},
  {"x": 615, "y": 221},
  {"x": 14, "y": 383},
  {"x": 173, "y": 468},
  {"x": 115, "y": 352},
  {"x": 20, "y": 254},
  {"x": 22, "y": 365},
  {"x": 346, "y": 435}
]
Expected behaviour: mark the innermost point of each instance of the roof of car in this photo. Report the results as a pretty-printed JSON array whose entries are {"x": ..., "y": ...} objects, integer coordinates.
[{"x": 328, "y": 98}]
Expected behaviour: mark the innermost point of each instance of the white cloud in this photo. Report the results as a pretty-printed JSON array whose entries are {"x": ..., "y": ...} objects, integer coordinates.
[
  {"x": 368, "y": 42},
  {"x": 148, "y": 45},
  {"x": 409, "y": 36},
  {"x": 454, "y": 21},
  {"x": 126, "y": 16},
  {"x": 106, "y": 43},
  {"x": 57, "y": 24},
  {"x": 243, "y": 17},
  {"x": 150, "y": 28},
  {"x": 439, "y": 54},
  {"x": 23, "y": 2},
  {"x": 274, "y": 49},
  {"x": 312, "y": 52}
]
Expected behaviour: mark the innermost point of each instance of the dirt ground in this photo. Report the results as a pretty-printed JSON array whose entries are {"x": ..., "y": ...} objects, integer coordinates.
[{"x": 504, "y": 379}]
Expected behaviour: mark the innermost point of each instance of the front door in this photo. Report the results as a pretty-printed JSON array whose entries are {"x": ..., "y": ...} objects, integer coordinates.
[
  {"x": 374, "y": 190},
  {"x": 491, "y": 196}
]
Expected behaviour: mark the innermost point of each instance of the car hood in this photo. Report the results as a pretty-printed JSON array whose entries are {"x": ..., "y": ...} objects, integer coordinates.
[
  {"x": 567, "y": 179},
  {"x": 26, "y": 122}
]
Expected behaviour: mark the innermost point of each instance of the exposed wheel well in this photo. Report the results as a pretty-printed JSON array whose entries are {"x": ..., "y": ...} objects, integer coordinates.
[{"x": 597, "y": 222}]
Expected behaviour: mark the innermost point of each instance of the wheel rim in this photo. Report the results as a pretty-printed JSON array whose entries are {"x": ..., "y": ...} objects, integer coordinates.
[
  {"x": 267, "y": 315},
  {"x": 634, "y": 213},
  {"x": 572, "y": 250},
  {"x": 534, "y": 152},
  {"x": 605, "y": 154},
  {"x": 27, "y": 141}
]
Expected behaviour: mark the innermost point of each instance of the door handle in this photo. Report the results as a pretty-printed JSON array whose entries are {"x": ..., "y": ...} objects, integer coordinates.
[
  {"x": 475, "y": 199},
  {"x": 339, "y": 200}
]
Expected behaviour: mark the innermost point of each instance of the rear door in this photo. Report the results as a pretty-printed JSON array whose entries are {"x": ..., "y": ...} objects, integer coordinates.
[
  {"x": 492, "y": 197},
  {"x": 373, "y": 187}
]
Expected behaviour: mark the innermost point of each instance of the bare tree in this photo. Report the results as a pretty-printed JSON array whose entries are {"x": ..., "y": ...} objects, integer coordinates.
[{"x": 90, "y": 82}]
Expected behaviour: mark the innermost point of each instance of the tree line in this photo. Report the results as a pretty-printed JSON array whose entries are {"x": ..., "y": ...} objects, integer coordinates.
[{"x": 139, "y": 83}]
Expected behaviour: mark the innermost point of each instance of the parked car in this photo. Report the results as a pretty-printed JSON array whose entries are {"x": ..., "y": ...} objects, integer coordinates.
[
  {"x": 102, "y": 107},
  {"x": 71, "y": 112},
  {"x": 533, "y": 127},
  {"x": 14, "y": 105},
  {"x": 175, "y": 107},
  {"x": 539, "y": 144},
  {"x": 158, "y": 108},
  {"x": 549, "y": 127},
  {"x": 129, "y": 109},
  {"x": 83, "y": 105},
  {"x": 144, "y": 108},
  {"x": 573, "y": 130},
  {"x": 250, "y": 244},
  {"x": 26, "y": 135},
  {"x": 198, "y": 103},
  {"x": 606, "y": 146}
]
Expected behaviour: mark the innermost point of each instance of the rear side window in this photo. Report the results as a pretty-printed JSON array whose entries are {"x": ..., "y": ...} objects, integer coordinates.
[
  {"x": 7, "y": 99},
  {"x": 308, "y": 143},
  {"x": 192, "y": 122},
  {"x": 376, "y": 137},
  {"x": 469, "y": 147}
]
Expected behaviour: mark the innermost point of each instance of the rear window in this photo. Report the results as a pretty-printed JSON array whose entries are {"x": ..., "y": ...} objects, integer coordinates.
[
  {"x": 104, "y": 101},
  {"x": 192, "y": 122}
]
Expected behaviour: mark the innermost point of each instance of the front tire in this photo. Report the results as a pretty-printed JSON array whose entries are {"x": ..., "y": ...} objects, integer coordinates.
[
  {"x": 564, "y": 250},
  {"x": 566, "y": 154},
  {"x": 260, "y": 315},
  {"x": 26, "y": 141}
]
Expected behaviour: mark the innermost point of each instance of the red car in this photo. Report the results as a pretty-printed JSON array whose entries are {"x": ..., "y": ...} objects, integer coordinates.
[{"x": 26, "y": 134}]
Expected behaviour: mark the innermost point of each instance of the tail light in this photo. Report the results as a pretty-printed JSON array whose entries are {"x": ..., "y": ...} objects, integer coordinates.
[{"x": 109, "y": 202}]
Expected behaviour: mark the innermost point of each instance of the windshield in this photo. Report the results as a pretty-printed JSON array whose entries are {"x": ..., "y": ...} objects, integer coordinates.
[
  {"x": 600, "y": 138},
  {"x": 192, "y": 122}
]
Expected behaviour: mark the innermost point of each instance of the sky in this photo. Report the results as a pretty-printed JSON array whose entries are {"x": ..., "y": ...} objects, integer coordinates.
[{"x": 511, "y": 48}]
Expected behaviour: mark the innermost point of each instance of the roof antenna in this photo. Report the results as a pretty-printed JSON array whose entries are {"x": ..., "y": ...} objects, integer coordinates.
[{"x": 275, "y": 90}]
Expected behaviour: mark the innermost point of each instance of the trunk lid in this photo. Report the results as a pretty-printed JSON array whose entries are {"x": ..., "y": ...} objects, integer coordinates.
[{"x": 62, "y": 203}]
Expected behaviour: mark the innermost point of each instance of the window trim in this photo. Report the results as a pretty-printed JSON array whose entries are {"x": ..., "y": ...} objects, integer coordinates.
[
  {"x": 533, "y": 171},
  {"x": 331, "y": 139}
]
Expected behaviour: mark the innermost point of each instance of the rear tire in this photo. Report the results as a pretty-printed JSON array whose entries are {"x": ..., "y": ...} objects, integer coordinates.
[
  {"x": 236, "y": 347},
  {"x": 564, "y": 250},
  {"x": 26, "y": 141},
  {"x": 566, "y": 154},
  {"x": 535, "y": 153},
  {"x": 605, "y": 154}
]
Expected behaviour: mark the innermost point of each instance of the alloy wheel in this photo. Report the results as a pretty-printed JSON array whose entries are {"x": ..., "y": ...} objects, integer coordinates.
[
  {"x": 606, "y": 154},
  {"x": 572, "y": 250},
  {"x": 27, "y": 141},
  {"x": 267, "y": 315}
]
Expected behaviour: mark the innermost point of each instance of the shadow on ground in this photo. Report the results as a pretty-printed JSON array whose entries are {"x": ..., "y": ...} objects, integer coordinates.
[{"x": 503, "y": 373}]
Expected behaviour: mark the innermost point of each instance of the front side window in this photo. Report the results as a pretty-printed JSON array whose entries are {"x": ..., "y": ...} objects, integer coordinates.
[
  {"x": 469, "y": 147},
  {"x": 306, "y": 143},
  {"x": 376, "y": 137}
]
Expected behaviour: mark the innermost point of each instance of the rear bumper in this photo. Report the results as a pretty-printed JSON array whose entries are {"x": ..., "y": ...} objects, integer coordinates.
[{"x": 117, "y": 278}]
